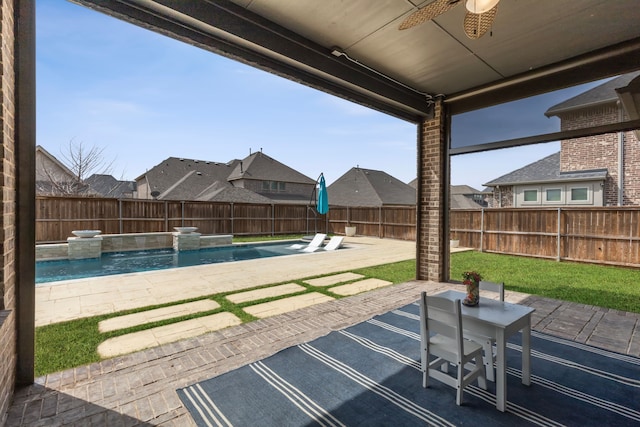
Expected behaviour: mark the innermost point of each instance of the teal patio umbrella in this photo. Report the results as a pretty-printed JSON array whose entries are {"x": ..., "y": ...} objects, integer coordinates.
[{"x": 323, "y": 198}]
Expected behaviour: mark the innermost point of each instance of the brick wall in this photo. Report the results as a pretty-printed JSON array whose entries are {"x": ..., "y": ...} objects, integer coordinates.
[
  {"x": 8, "y": 355},
  {"x": 601, "y": 151},
  {"x": 432, "y": 158}
]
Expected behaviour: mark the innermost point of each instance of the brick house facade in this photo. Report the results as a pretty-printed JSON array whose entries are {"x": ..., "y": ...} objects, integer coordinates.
[
  {"x": 602, "y": 151},
  {"x": 606, "y": 165}
]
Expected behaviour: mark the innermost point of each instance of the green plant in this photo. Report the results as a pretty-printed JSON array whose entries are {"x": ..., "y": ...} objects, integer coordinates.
[{"x": 471, "y": 276}]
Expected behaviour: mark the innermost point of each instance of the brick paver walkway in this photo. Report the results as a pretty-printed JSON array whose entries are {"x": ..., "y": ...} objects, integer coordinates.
[{"x": 139, "y": 389}]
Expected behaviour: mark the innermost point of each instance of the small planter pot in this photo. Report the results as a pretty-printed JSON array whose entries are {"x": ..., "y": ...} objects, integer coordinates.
[
  {"x": 473, "y": 293},
  {"x": 350, "y": 231}
]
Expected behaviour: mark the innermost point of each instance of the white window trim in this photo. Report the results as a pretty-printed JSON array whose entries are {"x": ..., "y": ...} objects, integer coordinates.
[
  {"x": 529, "y": 203},
  {"x": 589, "y": 200},
  {"x": 562, "y": 190}
]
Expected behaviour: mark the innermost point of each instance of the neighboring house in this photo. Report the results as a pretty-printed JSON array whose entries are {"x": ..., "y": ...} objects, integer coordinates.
[
  {"x": 370, "y": 188},
  {"x": 463, "y": 196},
  {"x": 466, "y": 197},
  {"x": 602, "y": 170},
  {"x": 54, "y": 178},
  {"x": 256, "y": 179},
  {"x": 271, "y": 179},
  {"x": 107, "y": 186}
]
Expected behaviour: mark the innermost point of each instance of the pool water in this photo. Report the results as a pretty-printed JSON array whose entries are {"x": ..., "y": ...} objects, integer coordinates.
[{"x": 159, "y": 259}]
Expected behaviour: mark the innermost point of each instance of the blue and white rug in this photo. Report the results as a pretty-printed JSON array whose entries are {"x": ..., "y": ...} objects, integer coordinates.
[{"x": 369, "y": 375}]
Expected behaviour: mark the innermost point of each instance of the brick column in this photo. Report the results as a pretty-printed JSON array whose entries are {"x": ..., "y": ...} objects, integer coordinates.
[{"x": 432, "y": 257}]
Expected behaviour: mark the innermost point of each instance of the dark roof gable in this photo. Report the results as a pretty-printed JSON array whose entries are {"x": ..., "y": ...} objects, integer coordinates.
[
  {"x": 259, "y": 166},
  {"x": 545, "y": 170},
  {"x": 368, "y": 187},
  {"x": 601, "y": 94}
]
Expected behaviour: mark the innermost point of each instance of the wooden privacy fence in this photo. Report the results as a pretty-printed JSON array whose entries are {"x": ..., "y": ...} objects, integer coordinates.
[
  {"x": 604, "y": 235},
  {"x": 57, "y": 217}
]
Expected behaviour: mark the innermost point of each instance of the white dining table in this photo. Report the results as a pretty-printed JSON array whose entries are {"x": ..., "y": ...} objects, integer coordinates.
[{"x": 499, "y": 320}]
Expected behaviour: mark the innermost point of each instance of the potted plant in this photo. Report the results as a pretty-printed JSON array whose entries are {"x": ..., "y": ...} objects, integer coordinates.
[
  {"x": 472, "y": 280},
  {"x": 350, "y": 230}
]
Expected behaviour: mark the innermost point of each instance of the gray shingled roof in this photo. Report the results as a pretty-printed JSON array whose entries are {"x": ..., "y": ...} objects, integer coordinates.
[
  {"x": 175, "y": 174},
  {"x": 602, "y": 94},
  {"x": 546, "y": 170},
  {"x": 367, "y": 187},
  {"x": 230, "y": 194},
  {"x": 459, "y": 201},
  {"x": 261, "y": 167},
  {"x": 463, "y": 189},
  {"x": 108, "y": 186}
]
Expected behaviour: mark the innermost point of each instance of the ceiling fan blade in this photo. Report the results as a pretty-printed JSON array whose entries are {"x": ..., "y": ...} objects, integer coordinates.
[
  {"x": 476, "y": 25},
  {"x": 428, "y": 12}
]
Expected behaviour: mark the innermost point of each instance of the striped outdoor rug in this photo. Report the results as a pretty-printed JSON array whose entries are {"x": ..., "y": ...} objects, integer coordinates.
[{"x": 369, "y": 375}]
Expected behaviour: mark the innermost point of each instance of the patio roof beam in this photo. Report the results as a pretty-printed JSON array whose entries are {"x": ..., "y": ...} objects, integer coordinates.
[
  {"x": 618, "y": 59},
  {"x": 233, "y": 31},
  {"x": 549, "y": 137}
]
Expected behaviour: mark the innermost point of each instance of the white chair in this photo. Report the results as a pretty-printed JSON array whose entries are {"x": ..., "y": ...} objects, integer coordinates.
[
  {"x": 334, "y": 243},
  {"x": 316, "y": 242},
  {"x": 442, "y": 317},
  {"x": 488, "y": 343}
]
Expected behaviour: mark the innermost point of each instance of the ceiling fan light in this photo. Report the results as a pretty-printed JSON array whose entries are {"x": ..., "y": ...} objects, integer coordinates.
[{"x": 480, "y": 6}]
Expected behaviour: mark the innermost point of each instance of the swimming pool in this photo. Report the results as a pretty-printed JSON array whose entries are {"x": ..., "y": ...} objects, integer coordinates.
[{"x": 158, "y": 259}]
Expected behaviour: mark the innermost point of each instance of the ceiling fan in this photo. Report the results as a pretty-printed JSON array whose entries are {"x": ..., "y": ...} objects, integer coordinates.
[{"x": 477, "y": 21}]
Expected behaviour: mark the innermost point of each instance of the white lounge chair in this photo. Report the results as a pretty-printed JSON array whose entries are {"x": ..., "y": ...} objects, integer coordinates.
[
  {"x": 334, "y": 243},
  {"x": 316, "y": 242}
]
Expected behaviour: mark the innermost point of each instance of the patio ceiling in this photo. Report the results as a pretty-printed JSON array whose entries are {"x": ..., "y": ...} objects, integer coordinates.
[{"x": 533, "y": 47}]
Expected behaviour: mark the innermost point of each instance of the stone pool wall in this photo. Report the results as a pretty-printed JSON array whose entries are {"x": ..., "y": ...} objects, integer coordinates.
[{"x": 93, "y": 247}]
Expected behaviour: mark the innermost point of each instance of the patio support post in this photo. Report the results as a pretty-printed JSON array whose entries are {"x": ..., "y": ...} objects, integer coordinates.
[
  {"x": 432, "y": 256},
  {"x": 18, "y": 216}
]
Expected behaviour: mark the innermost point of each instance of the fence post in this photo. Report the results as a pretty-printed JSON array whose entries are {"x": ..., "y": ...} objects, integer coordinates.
[
  {"x": 559, "y": 231},
  {"x": 273, "y": 219},
  {"x": 231, "y": 218},
  {"x": 380, "y": 234},
  {"x": 481, "y": 229},
  {"x": 120, "y": 216}
]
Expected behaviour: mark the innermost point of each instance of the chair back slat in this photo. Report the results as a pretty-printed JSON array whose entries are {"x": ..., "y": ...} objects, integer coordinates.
[{"x": 493, "y": 287}]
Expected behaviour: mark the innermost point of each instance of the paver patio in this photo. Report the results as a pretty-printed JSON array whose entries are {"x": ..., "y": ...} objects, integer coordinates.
[{"x": 139, "y": 388}]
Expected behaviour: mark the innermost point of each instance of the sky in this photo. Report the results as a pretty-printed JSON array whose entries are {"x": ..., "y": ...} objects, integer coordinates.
[{"x": 143, "y": 97}]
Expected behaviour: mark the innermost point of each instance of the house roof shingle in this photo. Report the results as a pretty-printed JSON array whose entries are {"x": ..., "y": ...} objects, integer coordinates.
[
  {"x": 108, "y": 186},
  {"x": 178, "y": 178},
  {"x": 259, "y": 166},
  {"x": 601, "y": 94},
  {"x": 546, "y": 170},
  {"x": 368, "y": 187}
]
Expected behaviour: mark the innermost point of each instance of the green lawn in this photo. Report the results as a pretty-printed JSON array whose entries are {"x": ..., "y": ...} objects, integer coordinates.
[
  {"x": 612, "y": 287},
  {"x": 65, "y": 345}
]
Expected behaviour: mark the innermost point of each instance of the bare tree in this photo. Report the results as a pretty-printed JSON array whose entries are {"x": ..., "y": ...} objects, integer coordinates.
[{"x": 67, "y": 177}]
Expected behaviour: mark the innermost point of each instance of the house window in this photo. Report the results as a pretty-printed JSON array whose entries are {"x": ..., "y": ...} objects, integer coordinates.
[
  {"x": 273, "y": 186},
  {"x": 530, "y": 196},
  {"x": 553, "y": 195},
  {"x": 580, "y": 194}
]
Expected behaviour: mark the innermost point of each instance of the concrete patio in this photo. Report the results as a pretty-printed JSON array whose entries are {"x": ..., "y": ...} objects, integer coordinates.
[{"x": 139, "y": 388}]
